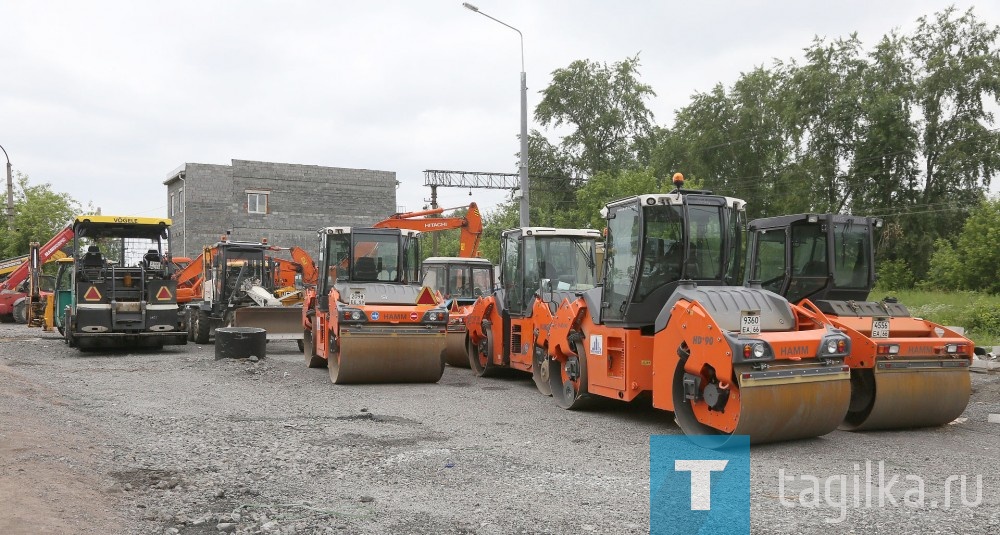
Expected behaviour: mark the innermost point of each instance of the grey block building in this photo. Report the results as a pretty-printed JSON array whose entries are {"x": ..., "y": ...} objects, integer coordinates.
[{"x": 285, "y": 203}]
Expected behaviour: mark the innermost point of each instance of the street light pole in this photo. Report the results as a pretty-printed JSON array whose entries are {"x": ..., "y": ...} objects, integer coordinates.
[
  {"x": 523, "y": 169},
  {"x": 10, "y": 191}
]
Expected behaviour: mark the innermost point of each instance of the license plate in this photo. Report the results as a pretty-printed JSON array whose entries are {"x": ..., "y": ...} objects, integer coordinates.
[
  {"x": 357, "y": 298},
  {"x": 880, "y": 327},
  {"x": 750, "y": 322}
]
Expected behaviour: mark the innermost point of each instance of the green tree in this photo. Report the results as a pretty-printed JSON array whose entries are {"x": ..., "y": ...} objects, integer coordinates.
[
  {"x": 503, "y": 217},
  {"x": 39, "y": 212},
  {"x": 977, "y": 253},
  {"x": 605, "y": 109}
]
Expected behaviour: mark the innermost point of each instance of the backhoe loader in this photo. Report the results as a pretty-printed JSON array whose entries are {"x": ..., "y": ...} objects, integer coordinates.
[
  {"x": 369, "y": 320},
  {"x": 671, "y": 320},
  {"x": 539, "y": 268},
  {"x": 905, "y": 371}
]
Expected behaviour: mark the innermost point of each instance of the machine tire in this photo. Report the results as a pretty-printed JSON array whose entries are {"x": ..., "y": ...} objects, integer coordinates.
[
  {"x": 566, "y": 394},
  {"x": 202, "y": 326},
  {"x": 189, "y": 324},
  {"x": 68, "y": 329},
  {"x": 309, "y": 351},
  {"x": 480, "y": 366},
  {"x": 21, "y": 311},
  {"x": 540, "y": 371}
]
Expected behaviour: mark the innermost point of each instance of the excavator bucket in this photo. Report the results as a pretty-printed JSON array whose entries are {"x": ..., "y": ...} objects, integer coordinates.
[
  {"x": 907, "y": 394},
  {"x": 399, "y": 355},
  {"x": 281, "y": 323}
]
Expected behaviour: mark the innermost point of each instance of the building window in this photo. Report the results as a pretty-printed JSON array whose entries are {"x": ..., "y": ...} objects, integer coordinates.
[
  {"x": 173, "y": 205},
  {"x": 257, "y": 203},
  {"x": 180, "y": 201}
]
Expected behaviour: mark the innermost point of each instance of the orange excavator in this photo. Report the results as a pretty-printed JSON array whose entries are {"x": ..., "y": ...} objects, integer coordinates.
[
  {"x": 471, "y": 225},
  {"x": 905, "y": 371},
  {"x": 670, "y": 321},
  {"x": 454, "y": 279}
]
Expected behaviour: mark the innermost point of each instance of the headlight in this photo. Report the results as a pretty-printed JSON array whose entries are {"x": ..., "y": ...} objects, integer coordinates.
[
  {"x": 432, "y": 316},
  {"x": 751, "y": 350},
  {"x": 831, "y": 346}
]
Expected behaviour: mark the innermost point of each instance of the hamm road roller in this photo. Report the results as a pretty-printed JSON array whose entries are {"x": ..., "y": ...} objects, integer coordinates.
[
  {"x": 459, "y": 282},
  {"x": 672, "y": 320},
  {"x": 539, "y": 268},
  {"x": 369, "y": 320},
  {"x": 905, "y": 371}
]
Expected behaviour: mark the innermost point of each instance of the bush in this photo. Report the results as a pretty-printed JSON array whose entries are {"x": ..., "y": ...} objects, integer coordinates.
[
  {"x": 895, "y": 275},
  {"x": 982, "y": 316}
]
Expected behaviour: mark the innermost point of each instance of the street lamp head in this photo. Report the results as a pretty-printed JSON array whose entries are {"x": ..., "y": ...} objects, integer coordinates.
[{"x": 470, "y": 7}]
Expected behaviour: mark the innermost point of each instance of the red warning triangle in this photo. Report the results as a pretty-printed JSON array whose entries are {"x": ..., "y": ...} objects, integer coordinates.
[
  {"x": 92, "y": 294},
  {"x": 426, "y": 297},
  {"x": 454, "y": 305},
  {"x": 164, "y": 294}
]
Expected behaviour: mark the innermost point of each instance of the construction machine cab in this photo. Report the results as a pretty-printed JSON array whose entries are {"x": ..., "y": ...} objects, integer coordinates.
[
  {"x": 658, "y": 242},
  {"x": 554, "y": 263},
  {"x": 463, "y": 279},
  {"x": 353, "y": 257},
  {"x": 813, "y": 256}
]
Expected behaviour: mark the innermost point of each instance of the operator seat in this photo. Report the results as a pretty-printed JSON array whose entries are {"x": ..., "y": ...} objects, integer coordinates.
[
  {"x": 365, "y": 269},
  {"x": 151, "y": 260},
  {"x": 93, "y": 262}
]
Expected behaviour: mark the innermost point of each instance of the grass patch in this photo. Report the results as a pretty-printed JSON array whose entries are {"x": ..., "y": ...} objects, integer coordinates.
[{"x": 978, "y": 313}]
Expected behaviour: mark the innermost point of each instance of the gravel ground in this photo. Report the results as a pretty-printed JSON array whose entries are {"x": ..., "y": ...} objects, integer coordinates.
[{"x": 176, "y": 442}]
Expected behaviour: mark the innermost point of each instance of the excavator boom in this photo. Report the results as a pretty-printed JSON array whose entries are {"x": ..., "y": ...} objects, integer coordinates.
[{"x": 471, "y": 226}]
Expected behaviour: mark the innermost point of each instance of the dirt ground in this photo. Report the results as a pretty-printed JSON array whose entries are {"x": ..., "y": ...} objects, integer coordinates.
[{"x": 174, "y": 441}]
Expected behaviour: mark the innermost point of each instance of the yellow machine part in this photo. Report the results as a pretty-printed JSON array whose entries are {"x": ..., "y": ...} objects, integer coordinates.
[
  {"x": 388, "y": 356},
  {"x": 773, "y": 406},
  {"x": 909, "y": 394},
  {"x": 281, "y": 323}
]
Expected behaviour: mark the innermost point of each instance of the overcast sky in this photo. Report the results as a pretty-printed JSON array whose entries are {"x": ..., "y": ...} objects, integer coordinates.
[{"x": 103, "y": 99}]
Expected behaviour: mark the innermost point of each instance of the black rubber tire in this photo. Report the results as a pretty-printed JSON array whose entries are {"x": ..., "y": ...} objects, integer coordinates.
[
  {"x": 309, "y": 351},
  {"x": 21, "y": 311},
  {"x": 202, "y": 326},
  {"x": 480, "y": 366},
  {"x": 566, "y": 394},
  {"x": 68, "y": 327}
]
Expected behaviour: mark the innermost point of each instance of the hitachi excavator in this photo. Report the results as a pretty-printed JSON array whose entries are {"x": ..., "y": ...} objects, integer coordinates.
[
  {"x": 455, "y": 279},
  {"x": 905, "y": 371},
  {"x": 369, "y": 320},
  {"x": 471, "y": 226},
  {"x": 670, "y": 320}
]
